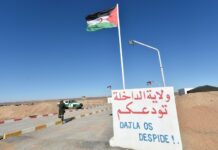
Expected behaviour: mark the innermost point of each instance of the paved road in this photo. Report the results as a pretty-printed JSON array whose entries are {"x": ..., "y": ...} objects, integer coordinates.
[
  {"x": 88, "y": 133},
  {"x": 23, "y": 124}
]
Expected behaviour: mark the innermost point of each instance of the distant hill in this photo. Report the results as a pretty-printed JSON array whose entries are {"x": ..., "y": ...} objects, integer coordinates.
[{"x": 205, "y": 88}]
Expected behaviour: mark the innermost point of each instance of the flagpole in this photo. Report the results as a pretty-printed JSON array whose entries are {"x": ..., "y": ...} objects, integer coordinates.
[{"x": 121, "y": 51}]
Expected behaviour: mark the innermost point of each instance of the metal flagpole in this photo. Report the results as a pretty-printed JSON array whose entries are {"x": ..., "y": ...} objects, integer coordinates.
[{"x": 121, "y": 53}]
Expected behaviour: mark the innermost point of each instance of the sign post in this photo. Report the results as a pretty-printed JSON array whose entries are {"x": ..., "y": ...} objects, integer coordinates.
[{"x": 145, "y": 119}]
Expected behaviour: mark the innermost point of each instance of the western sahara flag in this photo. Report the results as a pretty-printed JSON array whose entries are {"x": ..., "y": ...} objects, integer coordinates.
[{"x": 102, "y": 19}]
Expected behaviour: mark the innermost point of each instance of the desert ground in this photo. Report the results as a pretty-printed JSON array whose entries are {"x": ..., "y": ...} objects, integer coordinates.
[
  {"x": 198, "y": 119},
  {"x": 197, "y": 113}
]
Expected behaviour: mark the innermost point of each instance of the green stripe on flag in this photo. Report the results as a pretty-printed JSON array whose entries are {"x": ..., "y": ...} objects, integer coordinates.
[{"x": 100, "y": 26}]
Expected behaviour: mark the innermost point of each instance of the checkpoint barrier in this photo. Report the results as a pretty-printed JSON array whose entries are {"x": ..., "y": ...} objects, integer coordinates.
[
  {"x": 44, "y": 126},
  {"x": 46, "y": 115}
]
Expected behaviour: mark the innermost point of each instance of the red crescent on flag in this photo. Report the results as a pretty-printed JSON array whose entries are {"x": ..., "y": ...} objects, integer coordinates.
[{"x": 100, "y": 20}]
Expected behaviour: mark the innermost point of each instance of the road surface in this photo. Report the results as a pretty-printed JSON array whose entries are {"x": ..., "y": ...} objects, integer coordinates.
[
  {"x": 23, "y": 124},
  {"x": 87, "y": 133}
]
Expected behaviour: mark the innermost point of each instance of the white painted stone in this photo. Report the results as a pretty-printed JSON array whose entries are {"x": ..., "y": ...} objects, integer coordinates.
[
  {"x": 31, "y": 129},
  {"x": 9, "y": 121},
  {"x": 109, "y": 100},
  {"x": 50, "y": 124}
]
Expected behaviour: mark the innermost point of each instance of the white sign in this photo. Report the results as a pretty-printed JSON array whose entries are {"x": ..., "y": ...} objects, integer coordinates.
[{"x": 145, "y": 119}]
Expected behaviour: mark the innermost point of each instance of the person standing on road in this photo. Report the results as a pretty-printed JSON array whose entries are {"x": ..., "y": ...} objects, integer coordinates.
[{"x": 61, "y": 110}]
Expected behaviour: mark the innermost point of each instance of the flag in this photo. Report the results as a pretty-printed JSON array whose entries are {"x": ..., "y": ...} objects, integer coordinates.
[
  {"x": 149, "y": 82},
  {"x": 102, "y": 19},
  {"x": 109, "y": 86}
]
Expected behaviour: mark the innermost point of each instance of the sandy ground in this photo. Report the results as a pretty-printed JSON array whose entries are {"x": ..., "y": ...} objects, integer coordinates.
[
  {"x": 198, "y": 117},
  {"x": 39, "y": 108}
]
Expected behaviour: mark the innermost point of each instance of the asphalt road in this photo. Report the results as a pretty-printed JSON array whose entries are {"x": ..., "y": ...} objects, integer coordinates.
[
  {"x": 87, "y": 133},
  {"x": 23, "y": 124}
]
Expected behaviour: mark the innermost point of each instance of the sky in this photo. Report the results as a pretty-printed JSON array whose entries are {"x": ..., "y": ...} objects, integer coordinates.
[{"x": 46, "y": 52}]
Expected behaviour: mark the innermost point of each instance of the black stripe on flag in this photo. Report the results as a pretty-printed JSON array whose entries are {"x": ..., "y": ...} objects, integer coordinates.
[{"x": 99, "y": 14}]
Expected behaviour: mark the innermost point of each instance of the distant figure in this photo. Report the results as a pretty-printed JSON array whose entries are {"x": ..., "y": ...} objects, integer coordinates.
[{"x": 61, "y": 110}]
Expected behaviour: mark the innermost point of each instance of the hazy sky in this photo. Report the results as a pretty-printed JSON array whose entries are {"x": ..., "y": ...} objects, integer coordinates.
[{"x": 46, "y": 51}]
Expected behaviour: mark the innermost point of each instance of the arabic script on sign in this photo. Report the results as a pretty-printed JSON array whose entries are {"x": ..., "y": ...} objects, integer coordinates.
[{"x": 157, "y": 99}]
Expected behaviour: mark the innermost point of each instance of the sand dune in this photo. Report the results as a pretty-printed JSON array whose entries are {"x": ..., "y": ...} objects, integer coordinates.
[{"x": 198, "y": 118}]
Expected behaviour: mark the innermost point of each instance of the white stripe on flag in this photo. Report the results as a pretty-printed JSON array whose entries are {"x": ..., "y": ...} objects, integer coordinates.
[{"x": 98, "y": 20}]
